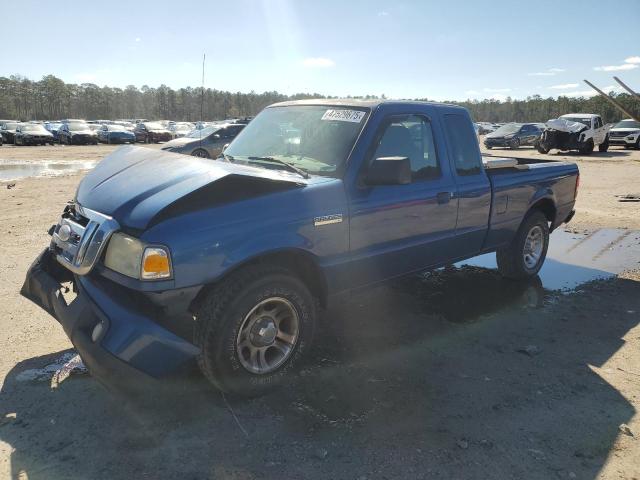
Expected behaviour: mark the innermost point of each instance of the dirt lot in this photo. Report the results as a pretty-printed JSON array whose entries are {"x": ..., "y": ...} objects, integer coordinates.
[{"x": 457, "y": 374}]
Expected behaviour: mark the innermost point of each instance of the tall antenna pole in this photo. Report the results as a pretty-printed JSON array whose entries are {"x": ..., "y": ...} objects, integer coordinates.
[
  {"x": 612, "y": 101},
  {"x": 202, "y": 91}
]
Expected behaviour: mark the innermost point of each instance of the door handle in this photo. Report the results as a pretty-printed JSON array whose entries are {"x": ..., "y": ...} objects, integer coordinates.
[{"x": 444, "y": 197}]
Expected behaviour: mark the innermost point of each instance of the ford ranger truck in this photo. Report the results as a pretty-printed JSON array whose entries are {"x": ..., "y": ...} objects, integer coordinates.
[{"x": 172, "y": 259}]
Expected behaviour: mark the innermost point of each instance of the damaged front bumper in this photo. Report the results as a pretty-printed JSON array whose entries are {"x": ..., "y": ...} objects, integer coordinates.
[{"x": 114, "y": 337}]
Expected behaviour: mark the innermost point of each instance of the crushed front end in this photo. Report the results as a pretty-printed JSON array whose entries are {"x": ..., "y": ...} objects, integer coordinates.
[{"x": 117, "y": 331}]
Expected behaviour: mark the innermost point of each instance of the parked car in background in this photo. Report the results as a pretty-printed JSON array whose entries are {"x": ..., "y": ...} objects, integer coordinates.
[
  {"x": 205, "y": 143},
  {"x": 151, "y": 132},
  {"x": 513, "y": 135},
  {"x": 575, "y": 131},
  {"x": 32, "y": 134},
  {"x": 626, "y": 133},
  {"x": 95, "y": 127},
  {"x": 53, "y": 127},
  {"x": 181, "y": 129},
  {"x": 115, "y": 134},
  {"x": 8, "y": 131},
  {"x": 77, "y": 133}
]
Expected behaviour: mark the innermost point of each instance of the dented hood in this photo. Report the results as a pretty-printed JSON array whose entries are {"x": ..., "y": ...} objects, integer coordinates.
[{"x": 137, "y": 185}]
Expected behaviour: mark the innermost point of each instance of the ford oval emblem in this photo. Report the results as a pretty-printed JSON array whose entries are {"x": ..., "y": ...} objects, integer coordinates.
[{"x": 64, "y": 233}]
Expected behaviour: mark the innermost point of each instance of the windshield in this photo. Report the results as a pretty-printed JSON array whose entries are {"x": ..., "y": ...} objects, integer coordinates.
[
  {"x": 33, "y": 128},
  {"x": 627, "y": 124},
  {"x": 584, "y": 121},
  {"x": 508, "y": 128},
  {"x": 75, "y": 127},
  {"x": 10, "y": 126},
  {"x": 153, "y": 126},
  {"x": 205, "y": 132},
  {"x": 316, "y": 139}
]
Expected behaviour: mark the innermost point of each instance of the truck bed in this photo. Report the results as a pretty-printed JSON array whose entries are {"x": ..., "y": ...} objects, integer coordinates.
[{"x": 517, "y": 183}]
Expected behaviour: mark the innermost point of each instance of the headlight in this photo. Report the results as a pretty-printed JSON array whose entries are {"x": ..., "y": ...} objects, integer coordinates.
[{"x": 130, "y": 257}]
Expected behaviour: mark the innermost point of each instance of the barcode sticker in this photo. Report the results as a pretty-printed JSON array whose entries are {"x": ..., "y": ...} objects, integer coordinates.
[{"x": 344, "y": 115}]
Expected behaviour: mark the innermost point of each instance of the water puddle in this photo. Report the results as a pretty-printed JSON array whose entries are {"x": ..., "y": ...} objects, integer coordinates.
[
  {"x": 20, "y": 170},
  {"x": 577, "y": 258}
]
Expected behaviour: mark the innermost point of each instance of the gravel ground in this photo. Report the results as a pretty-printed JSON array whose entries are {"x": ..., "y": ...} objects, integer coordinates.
[{"x": 457, "y": 374}]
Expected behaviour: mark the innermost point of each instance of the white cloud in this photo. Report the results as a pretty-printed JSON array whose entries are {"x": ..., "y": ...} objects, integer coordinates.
[
  {"x": 318, "y": 62},
  {"x": 497, "y": 90},
  {"x": 472, "y": 92},
  {"x": 564, "y": 86},
  {"x": 549, "y": 72},
  {"x": 383, "y": 13},
  {"x": 138, "y": 39},
  {"x": 634, "y": 60},
  {"x": 617, "y": 68}
]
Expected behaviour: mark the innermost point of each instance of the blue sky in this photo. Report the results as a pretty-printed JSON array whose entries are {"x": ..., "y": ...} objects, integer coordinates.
[{"x": 405, "y": 49}]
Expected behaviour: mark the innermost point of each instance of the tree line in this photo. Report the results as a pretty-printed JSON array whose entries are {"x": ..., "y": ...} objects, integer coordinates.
[{"x": 51, "y": 98}]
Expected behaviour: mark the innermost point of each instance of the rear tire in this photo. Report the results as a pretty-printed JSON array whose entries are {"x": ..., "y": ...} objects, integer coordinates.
[
  {"x": 524, "y": 257},
  {"x": 542, "y": 149},
  {"x": 253, "y": 329}
]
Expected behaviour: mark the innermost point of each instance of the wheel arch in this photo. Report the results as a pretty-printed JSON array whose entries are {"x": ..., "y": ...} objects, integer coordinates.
[
  {"x": 300, "y": 262},
  {"x": 547, "y": 206}
]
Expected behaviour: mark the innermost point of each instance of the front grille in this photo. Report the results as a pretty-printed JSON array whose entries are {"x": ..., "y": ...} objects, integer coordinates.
[
  {"x": 80, "y": 236},
  {"x": 618, "y": 134}
]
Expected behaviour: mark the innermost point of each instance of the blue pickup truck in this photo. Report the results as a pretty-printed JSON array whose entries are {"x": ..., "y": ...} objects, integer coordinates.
[{"x": 169, "y": 260}]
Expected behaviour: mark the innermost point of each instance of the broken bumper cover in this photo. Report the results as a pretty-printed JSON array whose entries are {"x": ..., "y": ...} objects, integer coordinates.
[{"x": 129, "y": 346}]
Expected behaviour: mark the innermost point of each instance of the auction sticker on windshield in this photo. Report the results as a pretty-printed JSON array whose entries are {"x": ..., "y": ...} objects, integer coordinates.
[{"x": 344, "y": 115}]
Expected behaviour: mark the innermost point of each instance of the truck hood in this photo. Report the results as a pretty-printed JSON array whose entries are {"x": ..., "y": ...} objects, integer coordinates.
[{"x": 140, "y": 186}]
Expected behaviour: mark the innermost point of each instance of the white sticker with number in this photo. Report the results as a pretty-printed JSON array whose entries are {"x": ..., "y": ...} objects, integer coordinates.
[{"x": 344, "y": 115}]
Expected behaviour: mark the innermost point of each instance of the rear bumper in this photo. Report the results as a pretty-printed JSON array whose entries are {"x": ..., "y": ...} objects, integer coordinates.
[{"x": 131, "y": 347}]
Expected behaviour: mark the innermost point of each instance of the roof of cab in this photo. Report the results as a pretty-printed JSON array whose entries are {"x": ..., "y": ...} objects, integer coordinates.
[
  {"x": 585, "y": 115},
  {"x": 353, "y": 102}
]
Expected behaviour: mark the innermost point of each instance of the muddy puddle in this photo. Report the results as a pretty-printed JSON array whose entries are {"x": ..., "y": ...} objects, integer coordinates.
[
  {"x": 20, "y": 170},
  {"x": 577, "y": 258}
]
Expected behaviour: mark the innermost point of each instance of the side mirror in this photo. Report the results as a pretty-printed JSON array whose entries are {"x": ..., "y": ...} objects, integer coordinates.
[
  {"x": 224, "y": 147},
  {"x": 389, "y": 171}
]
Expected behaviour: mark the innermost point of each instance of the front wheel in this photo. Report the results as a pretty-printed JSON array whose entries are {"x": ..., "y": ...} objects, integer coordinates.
[
  {"x": 200, "y": 152},
  {"x": 604, "y": 146},
  {"x": 587, "y": 148},
  {"x": 254, "y": 328},
  {"x": 514, "y": 144},
  {"x": 524, "y": 257}
]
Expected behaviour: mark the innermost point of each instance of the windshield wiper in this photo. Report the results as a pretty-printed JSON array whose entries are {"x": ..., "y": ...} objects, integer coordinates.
[{"x": 288, "y": 166}]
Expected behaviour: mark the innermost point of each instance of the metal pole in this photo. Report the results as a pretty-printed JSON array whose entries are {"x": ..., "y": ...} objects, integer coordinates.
[
  {"x": 626, "y": 87},
  {"x": 612, "y": 101}
]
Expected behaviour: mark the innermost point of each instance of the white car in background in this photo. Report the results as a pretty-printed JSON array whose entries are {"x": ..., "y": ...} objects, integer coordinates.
[
  {"x": 626, "y": 133},
  {"x": 575, "y": 131}
]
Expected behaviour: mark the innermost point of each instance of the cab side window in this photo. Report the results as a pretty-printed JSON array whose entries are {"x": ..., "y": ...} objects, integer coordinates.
[
  {"x": 463, "y": 145},
  {"x": 410, "y": 136}
]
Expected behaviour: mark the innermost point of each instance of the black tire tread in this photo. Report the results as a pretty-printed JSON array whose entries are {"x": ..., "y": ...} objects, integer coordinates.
[
  {"x": 509, "y": 258},
  {"x": 212, "y": 309}
]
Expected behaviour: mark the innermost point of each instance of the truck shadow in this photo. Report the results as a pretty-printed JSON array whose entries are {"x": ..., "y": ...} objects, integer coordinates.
[{"x": 452, "y": 374}]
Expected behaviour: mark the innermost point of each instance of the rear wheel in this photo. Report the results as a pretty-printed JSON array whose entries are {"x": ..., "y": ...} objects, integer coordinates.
[
  {"x": 524, "y": 257},
  {"x": 253, "y": 329},
  {"x": 542, "y": 149},
  {"x": 200, "y": 152}
]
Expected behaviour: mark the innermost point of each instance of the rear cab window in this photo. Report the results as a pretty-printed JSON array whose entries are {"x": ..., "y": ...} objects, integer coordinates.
[{"x": 463, "y": 147}]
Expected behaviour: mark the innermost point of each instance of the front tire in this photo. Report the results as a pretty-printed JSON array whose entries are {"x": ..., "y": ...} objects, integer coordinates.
[
  {"x": 200, "y": 152},
  {"x": 604, "y": 146},
  {"x": 587, "y": 149},
  {"x": 253, "y": 329},
  {"x": 514, "y": 144},
  {"x": 524, "y": 257}
]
